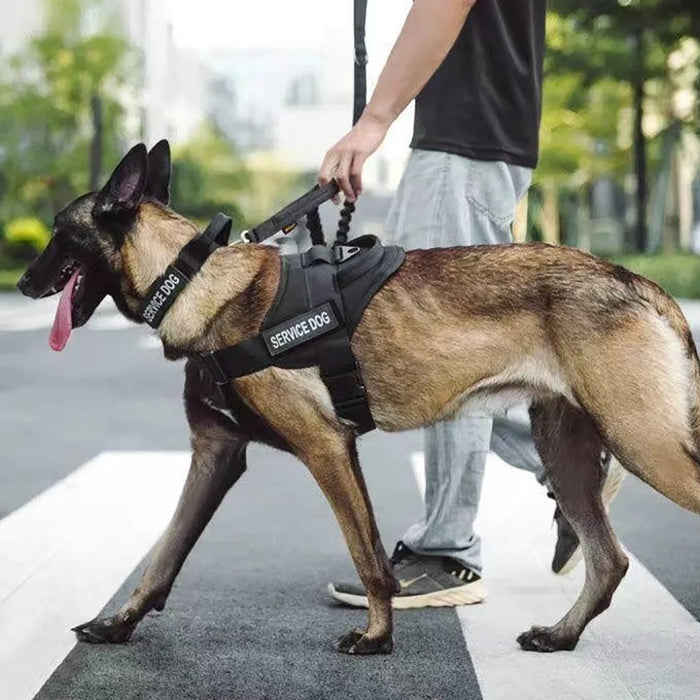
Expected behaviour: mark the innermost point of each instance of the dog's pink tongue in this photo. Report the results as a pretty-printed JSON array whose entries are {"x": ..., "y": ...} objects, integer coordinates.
[{"x": 63, "y": 321}]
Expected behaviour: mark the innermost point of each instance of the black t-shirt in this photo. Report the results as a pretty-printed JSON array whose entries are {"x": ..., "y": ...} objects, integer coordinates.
[{"x": 485, "y": 100}]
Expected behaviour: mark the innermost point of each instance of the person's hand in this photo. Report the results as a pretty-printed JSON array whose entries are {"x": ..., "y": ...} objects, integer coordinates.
[{"x": 345, "y": 160}]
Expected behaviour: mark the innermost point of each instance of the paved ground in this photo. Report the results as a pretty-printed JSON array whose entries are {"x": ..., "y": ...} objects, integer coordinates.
[{"x": 249, "y": 617}]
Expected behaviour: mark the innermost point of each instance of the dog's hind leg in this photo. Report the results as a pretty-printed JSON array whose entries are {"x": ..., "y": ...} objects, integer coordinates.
[
  {"x": 570, "y": 448},
  {"x": 218, "y": 460}
]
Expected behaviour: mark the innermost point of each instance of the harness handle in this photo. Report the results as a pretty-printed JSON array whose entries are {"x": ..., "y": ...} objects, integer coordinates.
[{"x": 285, "y": 219}]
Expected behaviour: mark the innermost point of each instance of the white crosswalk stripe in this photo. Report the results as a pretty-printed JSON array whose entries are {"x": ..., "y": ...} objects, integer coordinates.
[
  {"x": 66, "y": 552},
  {"x": 645, "y": 646}
]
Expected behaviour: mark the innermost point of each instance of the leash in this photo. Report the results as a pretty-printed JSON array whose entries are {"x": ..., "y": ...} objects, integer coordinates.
[
  {"x": 164, "y": 291},
  {"x": 359, "y": 103}
]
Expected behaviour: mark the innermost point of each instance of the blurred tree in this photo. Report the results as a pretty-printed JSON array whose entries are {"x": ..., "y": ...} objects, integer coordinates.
[
  {"x": 48, "y": 98},
  {"x": 208, "y": 176},
  {"x": 626, "y": 41},
  {"x": 582, "y": 135}
]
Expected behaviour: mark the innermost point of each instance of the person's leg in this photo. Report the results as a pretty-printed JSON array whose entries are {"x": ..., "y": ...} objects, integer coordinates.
[
  {"x": 448, "y": 200},
  {"x": 432, "y": 209},
  {"x": 511, "y": 440}
]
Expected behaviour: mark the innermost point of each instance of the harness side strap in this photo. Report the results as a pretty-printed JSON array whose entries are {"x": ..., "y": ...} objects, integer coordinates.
[
  {"x": 336, "y": 360},
  {"x": 341, "y": 375},
  {"x": 293, "y": 212},
  {"x": 339, "y": 372}
]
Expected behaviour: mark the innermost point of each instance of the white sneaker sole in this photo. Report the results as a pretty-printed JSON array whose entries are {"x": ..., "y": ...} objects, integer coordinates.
[
  {"x": 613, "y": 481},
  {"x": 469, "y": 594}
]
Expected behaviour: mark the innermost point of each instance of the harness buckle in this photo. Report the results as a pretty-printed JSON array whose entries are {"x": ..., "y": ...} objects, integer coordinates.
[{"x": 345, "y": 252}]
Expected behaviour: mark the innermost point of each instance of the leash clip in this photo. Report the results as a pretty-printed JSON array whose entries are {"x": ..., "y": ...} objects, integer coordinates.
[
  {"x": 245, "y": 238},
  {"x": 345, "y": 252}
]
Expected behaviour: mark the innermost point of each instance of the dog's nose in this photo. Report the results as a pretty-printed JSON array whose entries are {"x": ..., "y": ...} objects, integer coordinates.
[{"x": 24, "y": 283}]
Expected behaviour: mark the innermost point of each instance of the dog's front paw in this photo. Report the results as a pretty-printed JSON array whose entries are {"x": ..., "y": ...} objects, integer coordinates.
[
  {"x": 104, "y": 630},
  {"x": 359, "y": 644},
  {"x": 545, "y": 639}
]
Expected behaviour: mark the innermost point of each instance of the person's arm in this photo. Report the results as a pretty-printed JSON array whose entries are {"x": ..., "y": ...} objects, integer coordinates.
[{"x": 430, "y": 30}]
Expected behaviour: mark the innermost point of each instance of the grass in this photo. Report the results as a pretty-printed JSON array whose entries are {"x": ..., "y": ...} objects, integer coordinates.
[
  {"x": 677, "y": 273},
  {"x": 9, "y": 277}
]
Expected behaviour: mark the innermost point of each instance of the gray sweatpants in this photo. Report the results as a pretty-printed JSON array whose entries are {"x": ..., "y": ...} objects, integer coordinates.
[{"x": 448, "y": 200}]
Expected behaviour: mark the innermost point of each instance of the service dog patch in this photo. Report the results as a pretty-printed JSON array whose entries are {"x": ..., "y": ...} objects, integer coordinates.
[
  {"x": 161, "y": 296},
  {"x": 300, "y": 329}
]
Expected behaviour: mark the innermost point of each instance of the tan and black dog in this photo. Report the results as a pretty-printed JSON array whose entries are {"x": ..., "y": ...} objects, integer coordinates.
[{"x": 604, "y": 357}]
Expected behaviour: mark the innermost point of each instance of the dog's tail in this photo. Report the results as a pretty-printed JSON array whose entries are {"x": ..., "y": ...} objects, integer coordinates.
[
  {"x": 649, "y": 411},
  {"x": 667, "y": 307}
]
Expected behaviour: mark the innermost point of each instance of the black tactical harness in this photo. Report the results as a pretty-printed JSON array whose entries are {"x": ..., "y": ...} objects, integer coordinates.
[{"x": 321, "y": 297}]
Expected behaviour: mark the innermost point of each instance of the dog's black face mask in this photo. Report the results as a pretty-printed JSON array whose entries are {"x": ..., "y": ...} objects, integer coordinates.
[{"x": 82, "y": 260}]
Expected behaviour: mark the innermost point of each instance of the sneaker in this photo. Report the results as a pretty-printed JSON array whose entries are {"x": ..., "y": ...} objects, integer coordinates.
[
  {"x": 567, "y": 551},
  {"x": 425, "y": 581}
]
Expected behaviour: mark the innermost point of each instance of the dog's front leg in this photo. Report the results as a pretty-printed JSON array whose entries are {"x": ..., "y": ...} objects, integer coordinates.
[
  {"x": 218, "y": 460},
  {"x": 332, "y": 460}
]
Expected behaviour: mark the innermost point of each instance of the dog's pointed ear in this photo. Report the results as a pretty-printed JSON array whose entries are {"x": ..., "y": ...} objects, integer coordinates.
[
  {"x": 124, "y": 190},
  {"x": 159, "y": 169}
]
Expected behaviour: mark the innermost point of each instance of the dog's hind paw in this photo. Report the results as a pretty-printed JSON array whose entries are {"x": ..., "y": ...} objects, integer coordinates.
[
  {"x": 545, "y": 639},
  {"x": 105, "y": 630},
  {"x": 359, "y": 644}
]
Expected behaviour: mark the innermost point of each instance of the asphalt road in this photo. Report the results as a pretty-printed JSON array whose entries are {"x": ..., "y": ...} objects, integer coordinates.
[{"x": 249, "y": 616}]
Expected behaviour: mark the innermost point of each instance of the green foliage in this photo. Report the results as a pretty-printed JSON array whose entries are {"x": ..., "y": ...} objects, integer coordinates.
[
  {"x": 9, "y": 278},
  {"x": 25, "y": 238},
  {"x": 580, "y": 136},
  {"x": 45, "y": 107},
  {"x": 597, "y": 40},
  {"x": 208, "y": 174},
  {"x": 598, "y": 55},
  {"x": 677, "y": 273}
]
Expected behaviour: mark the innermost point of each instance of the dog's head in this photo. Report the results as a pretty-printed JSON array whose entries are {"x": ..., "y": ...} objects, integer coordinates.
[{"x": 84, "y": 258}]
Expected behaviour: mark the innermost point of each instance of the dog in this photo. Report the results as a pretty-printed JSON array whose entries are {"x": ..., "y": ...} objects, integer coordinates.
[{"x": 603, "y": 356}]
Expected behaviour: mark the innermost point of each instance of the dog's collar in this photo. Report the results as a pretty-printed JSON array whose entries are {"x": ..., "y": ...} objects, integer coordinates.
[{"x": 161, "y": 295}]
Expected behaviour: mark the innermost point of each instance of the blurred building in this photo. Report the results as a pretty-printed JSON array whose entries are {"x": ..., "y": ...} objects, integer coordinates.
[
  {"x": 19, "y": 22},
  {"x": 173, "y": 85},
  {"x": 295, "y": 103},
  {"x": 172, "y": 98}
]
